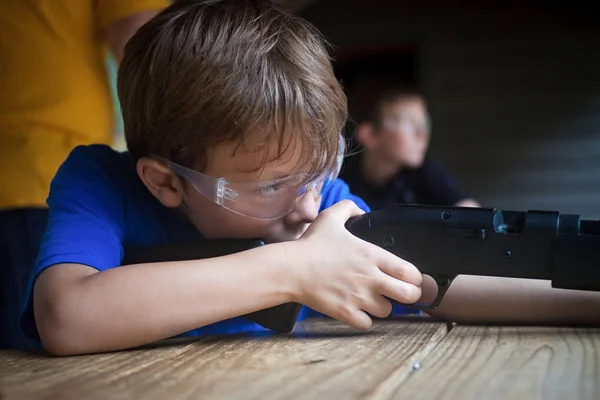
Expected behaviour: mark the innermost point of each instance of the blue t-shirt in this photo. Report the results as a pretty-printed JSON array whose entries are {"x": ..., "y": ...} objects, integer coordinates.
[{"x": 98, "y": 205}]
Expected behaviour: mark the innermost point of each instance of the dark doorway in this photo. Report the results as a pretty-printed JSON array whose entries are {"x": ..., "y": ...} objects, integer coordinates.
[{"x": 365, "y": 73}]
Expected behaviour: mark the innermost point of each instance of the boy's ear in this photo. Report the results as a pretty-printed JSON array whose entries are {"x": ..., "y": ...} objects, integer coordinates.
[
  {"x": 160, "y": 181},
  {"x": 366, "y": 135}
]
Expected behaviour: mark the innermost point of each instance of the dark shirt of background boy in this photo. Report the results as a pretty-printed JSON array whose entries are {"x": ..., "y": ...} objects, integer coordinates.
[{"x": 429, "y": 184}]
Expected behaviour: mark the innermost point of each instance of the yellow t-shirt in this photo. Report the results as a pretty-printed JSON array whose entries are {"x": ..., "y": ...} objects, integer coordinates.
[{"x": 54, "y": 89}]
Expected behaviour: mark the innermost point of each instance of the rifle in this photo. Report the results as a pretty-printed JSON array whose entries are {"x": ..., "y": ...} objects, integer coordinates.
[{"x": 444, "y": 242}]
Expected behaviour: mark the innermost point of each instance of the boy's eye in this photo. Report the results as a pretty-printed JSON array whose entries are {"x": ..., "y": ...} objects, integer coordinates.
[{"x": 269, "y": 190}]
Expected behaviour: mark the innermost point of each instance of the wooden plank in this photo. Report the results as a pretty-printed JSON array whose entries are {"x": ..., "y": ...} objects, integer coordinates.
[
  {"x": 324, "y": 358},
  {"x": 509, "y": 363}
]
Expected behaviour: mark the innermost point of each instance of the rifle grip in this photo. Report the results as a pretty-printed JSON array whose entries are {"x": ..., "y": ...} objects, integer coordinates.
[{"x": 280, "y": 319}]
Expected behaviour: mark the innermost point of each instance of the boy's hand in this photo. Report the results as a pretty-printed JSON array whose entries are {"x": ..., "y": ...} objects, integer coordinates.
[{"x": 345, "y": 277}]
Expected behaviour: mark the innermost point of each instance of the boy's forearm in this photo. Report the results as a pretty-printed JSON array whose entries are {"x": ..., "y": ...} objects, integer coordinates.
[
  {"x": 134, "y": 305},
  {"x": 490, "y": 300}
]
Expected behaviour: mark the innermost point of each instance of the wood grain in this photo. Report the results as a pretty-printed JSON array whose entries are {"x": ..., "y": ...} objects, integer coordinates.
[
  {"x": 509, "y": 363},
  {"x": 323, "y": 358}
]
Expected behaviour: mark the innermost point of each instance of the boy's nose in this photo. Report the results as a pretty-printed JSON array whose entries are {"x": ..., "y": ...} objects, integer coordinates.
[{"x": 306, "y": 209}]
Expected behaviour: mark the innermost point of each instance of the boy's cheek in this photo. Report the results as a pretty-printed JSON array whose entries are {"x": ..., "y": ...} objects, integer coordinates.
[
  {"x": 219, "y": 223},
  {"x": 239, "y": 227},
  {"x": 216, "y": 222}
]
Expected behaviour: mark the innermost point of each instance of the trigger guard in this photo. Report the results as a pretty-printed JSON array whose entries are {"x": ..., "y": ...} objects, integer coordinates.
[{"x": 443, "y": 283}]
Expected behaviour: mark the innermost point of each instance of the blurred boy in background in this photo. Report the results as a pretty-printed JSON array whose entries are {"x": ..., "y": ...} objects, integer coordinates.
[{"x": 394, "y": 131}]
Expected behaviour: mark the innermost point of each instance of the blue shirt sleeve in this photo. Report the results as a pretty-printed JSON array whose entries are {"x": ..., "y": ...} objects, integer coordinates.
[
  {"x": 339, "y": 190},
  {"x": 86, "y": 221}
]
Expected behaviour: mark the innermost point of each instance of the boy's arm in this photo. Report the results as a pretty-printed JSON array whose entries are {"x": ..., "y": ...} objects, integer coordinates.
[
  {"x": 119, "y": 20},
  {"x": 118, "y": 33},
  {"x": 78, "y": 309},
  {"x": 491, "y": 300}
]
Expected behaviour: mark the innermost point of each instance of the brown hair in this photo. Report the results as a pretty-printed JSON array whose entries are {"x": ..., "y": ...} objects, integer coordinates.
[{"x": 202, "y": 73}]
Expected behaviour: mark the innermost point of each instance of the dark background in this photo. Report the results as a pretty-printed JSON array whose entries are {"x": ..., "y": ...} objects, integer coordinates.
[{"x": 513, "y": 89}]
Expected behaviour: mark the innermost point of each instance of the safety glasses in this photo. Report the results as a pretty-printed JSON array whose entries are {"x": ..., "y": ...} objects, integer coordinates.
[{"x": 260, "y": 200}]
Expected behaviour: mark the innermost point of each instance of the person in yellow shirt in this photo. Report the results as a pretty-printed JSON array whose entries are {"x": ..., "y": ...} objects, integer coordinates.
[{"x": 54, "y": 95}]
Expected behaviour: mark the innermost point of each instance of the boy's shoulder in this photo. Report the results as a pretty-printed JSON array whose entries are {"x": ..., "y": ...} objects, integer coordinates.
[
  {"x": 339, "y": 190},
  {"x": 88, "y": 160},
  {"x": 98, "y": 187},
  {"x": 430, "y": 165},
  {"x": 435, "y": 183},
  {"x": 97, "y": 171}
]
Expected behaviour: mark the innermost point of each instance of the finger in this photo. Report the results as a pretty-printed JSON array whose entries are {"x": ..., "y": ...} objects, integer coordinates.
[
  {"x": 360, "y": 320},
  {"x": 345, "y": 312},
  {"x": 398, "y": 290},
  {"x": 343, "y": 210},
  {"x": 378, "y": 306},
  {"x": 399, "y": 268}
]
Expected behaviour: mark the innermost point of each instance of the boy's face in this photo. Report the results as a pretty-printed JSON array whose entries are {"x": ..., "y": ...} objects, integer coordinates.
[
  {"x": 215, "y": 221},
  {"x": 403, "y": 131}
]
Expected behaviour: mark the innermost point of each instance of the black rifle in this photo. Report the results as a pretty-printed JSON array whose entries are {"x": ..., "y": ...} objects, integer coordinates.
[{"x": 445, "y": 242}]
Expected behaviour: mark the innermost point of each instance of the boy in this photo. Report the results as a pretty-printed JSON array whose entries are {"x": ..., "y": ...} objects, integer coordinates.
[
  {"x": 393, "y": 168},
  {"x": 231, "y": 114}
]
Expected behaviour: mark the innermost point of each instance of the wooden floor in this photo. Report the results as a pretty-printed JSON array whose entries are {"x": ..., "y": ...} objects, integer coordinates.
[{"x": 324, "y": 359}]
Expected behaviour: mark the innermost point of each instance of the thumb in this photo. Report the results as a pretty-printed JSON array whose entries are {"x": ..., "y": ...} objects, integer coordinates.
[{"x": 343, "y": 210}]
